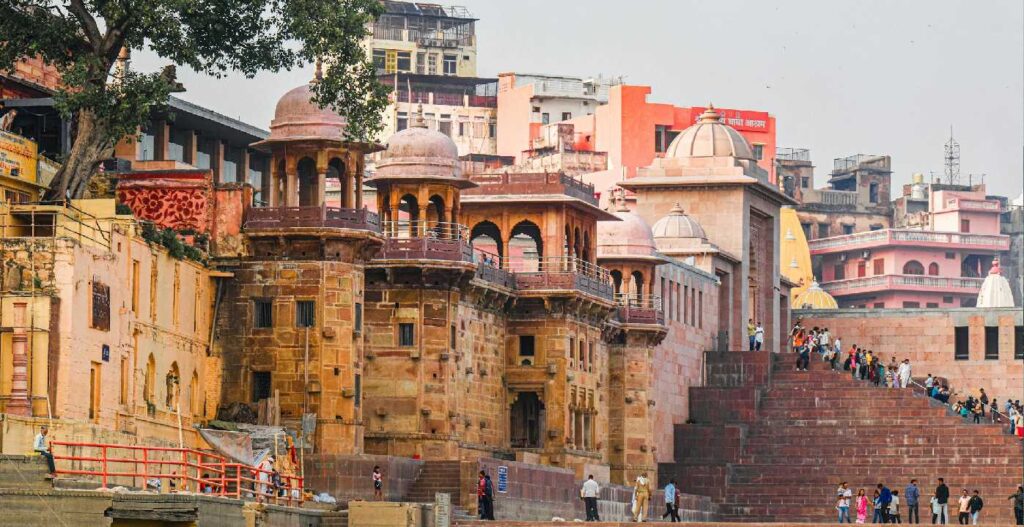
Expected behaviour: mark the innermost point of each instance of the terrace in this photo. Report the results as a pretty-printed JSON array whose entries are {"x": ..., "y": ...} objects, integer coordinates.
[
  {"x": 902, "y": 282},
  {"x": 910, "y": 238},
  {"x": 640, "y": 310},
  {"x": 561, "y": 273},
  {"x": 310, "y": 217},
  {"x": 426, "y": 240},
  {"x": 531, "y": 184}
]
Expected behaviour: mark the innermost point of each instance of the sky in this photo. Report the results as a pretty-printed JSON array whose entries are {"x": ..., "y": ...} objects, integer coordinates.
[{"x": 841, "y": 77}]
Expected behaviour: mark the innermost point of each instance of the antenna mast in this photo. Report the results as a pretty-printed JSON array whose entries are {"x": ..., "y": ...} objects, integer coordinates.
[{"x": 952, "y": 160}]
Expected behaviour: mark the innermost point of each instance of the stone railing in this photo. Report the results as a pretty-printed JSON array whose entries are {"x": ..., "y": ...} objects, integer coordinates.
[
  {"x": 559, "y": 272},
  {"x": 837, "y": 197},
  {"x": 640, "y": 310},
  {"x": 263, "y": 218},
  {"x": 995, "y": 242},
  {"x": 531, "y": 184},
  {"x": 412, "y": 240},
  {"x": 903, "y": 281}
]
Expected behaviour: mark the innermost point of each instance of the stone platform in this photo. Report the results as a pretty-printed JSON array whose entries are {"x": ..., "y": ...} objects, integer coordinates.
[{"x": 500, "y": 523}]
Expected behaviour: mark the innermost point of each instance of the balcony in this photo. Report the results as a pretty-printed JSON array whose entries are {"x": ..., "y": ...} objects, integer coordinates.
[
  {"x": 531, "y": 184},
  {"x": 562, "y": 273},
  {"x": 426, "y": 240},
  {"x": 571, "y": 162},
  {"x": 838, "y": 197},
  {"x": 910, "y": 238},
  {"x": 640, "y": 310},
  {"x": 312, "y": 217},
  {"x": 903, "y": 282}
]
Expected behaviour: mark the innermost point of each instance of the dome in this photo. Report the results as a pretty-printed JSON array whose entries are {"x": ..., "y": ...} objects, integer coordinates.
[
  {"x": 995, "y": 290},
  {"x": 298, "y": 118},
  {"x": 710, "y": 137},
  {"x": 677, "y": 225},
  {"x": 815, "y": 298},
  {"x": 630, "y": 236},
  {"x": 417, "y": 153}
]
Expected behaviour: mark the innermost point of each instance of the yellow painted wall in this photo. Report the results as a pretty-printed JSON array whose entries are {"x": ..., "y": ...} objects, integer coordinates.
[{"x": 794, "y": 253}]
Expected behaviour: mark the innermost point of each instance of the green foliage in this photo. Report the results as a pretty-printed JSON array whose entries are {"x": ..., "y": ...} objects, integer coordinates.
[
  {"x": 82, "y": 38},
  {"x": 170, "y": 239}
]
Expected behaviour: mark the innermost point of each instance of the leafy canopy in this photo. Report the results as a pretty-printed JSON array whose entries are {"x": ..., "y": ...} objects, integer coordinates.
[{"x": 83, "y": 38}]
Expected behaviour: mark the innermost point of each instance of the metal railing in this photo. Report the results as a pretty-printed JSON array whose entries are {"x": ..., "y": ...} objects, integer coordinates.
[
  {"x": 184, "y": 469},
  {"x": 53, "y": 219},
  {"x": 635, "y": 309},
  {"x": 561, "y": 272},
  {"x": 260, "y": 218},
  {"x": 793, "y": 154},
  {"x": 995, "y": 416},
  {"x": 426, "y": 240}
]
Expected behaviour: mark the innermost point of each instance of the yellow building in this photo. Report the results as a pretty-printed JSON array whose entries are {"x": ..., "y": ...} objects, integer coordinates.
[
  {"x": 102, "y": 335},
  {"x": 794, "y": 254}
]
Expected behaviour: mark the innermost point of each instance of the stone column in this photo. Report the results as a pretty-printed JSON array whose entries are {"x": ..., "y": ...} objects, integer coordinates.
[
  {"x": 161, "y": 140},
  {"x": 321, "y": 189},
  {"x": 393, "y": 213},
  {"x": 291, "y": 190},
  {"x": 19, "y": 403},
  {"x": 190, "y": 147},
  {"x": 421, "y": 228},
  {"x": 217, "y": 160}
]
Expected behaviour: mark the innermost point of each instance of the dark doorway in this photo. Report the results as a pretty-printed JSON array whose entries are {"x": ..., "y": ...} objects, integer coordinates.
[{"x": 527, "y": 421}]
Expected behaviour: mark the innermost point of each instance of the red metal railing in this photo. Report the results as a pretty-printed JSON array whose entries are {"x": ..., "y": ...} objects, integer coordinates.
[{"x": 184, "y": 469}]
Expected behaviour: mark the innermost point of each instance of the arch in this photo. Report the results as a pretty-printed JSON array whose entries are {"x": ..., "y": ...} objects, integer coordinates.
[
  {"x": 567, "y": 246},
  {"x": 336, "y": 170},
  {"x": 194, "y": 403},
  {"x": 577, "y": 243},
  {"x": 277, "y": 185},
  {"x": 435, "y": 211},
  {"x": 636, "y": 285},
  {"x": 408, "y": 216},
  {"x": 586, "y": 247},
  {"x": 913, "y": 267},
  {"x": 308, "y": 183},
  {"x": 173, "y": 383},
  {"x": 149, "y": 383},
  {"x": 526, "y": 247},
  {"x": 485, "y": 237},
  {"x": 617, "y": 281},
  {"x": 933, "y": 269}
]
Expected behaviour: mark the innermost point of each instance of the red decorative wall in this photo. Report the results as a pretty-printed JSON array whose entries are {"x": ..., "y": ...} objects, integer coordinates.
[{"x": 179, "y": 199}]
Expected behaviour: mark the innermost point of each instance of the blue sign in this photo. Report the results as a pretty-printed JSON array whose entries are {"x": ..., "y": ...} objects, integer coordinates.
[
  {"x": 502, "y": 479},
  {"x": 105, "y": 354}
]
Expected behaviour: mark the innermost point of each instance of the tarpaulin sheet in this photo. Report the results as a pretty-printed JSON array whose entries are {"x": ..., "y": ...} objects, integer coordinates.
[{"x": 233, "y": 445}]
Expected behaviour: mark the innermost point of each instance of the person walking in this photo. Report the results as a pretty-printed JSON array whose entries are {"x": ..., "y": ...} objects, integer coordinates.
[
  {"x": 884, "y": 500},
  {"x": 590, "y": 492},
  {"x": 975, "y": 506},
  {"x": 758, "y": 337},
  {"x": 904, "y": 373},
  {"x": 485, "y": 497},
  {"x": 671, "y": 500},
  {"x": 642, "y": 489},
  {"x": 1018, "y": 505},
  {"x": 40, "y": 447},
  {"x": 964, "y": 509},
  {"x": 862, "y": 506},
  {"x": 942, "y": 497},
  {"x": 894, "y": 508},
  {"x": 912, "y": 494},
  {"x": 378, "y": 484},
  {"x": 843, "y": 495}
]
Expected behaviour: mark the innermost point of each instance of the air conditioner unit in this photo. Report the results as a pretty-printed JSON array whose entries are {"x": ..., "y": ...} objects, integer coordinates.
[{"x": 866, "y": 254}]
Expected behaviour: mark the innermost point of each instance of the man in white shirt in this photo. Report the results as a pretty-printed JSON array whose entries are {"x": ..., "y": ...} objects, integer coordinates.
[
  {"x": 904, "y": 373},
  {"x": 39, "y": 446},
  {"x": 590, "y": 491},
  {"x": 758, "y": 337},
  {"x": 843, "y": 496}
]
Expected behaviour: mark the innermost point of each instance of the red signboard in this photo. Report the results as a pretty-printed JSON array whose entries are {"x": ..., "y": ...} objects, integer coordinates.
[{"x": 742, "y": 120}]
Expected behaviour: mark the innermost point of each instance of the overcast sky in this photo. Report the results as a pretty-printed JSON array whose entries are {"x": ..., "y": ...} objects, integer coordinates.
[{"x": 840, "y": 77}]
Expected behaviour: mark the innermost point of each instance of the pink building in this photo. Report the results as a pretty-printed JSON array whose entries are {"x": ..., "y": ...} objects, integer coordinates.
[{"x": 942, "y": 264}]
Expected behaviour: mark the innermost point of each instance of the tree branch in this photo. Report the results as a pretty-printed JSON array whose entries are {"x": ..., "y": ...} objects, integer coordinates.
[{"x": 92, "y": 31}]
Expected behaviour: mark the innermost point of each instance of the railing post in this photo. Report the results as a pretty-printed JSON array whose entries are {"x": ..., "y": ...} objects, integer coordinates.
[
  {"x": 145, "y": 468},
  {"x": 103, "y": 455}
]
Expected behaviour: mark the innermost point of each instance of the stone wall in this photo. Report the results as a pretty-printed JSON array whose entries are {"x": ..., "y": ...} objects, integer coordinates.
[
  {"x": 349, "y": 477},
  {"x": 926, "y": 337}
]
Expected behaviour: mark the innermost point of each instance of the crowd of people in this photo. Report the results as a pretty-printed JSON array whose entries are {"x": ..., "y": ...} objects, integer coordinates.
[{"x": 886, "y": 506}]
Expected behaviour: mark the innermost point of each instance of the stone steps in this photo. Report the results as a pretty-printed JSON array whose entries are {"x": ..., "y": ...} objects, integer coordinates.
[{"x": 434, "y": 477}]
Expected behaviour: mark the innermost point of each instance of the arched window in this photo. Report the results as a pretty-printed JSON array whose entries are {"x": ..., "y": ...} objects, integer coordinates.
[
  {"x": 194, "y": 401},
  {"x": 526, "y": 247},
  {"x": 149, "y": 385},
  {"x": 933, "y": 269},
  {"x": 408, "y": 217},
  {"x": 336, "y": 172},
  {"x": 913, "y": 267},
  {"x": 636, "y": 285},
  {"x": 485, "y": 237},
  {"x": 617, "y": 280}
]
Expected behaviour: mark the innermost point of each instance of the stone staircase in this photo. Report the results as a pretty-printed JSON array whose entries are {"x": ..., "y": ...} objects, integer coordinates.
[
  {"x": 24, "y": 473},
  {"x": 808, "y": 431},
  {"x": 439, "y": 476}
]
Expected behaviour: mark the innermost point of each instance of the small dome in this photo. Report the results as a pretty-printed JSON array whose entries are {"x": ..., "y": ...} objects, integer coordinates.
[
  {"x": 297, "y": 117},
  {"x": 418, "y": 152},
  {"x": 815, "y": 298},
  {"x": 677, "y": 225},
  {"x": 628, "y": 237},
  {"x": 995, "y": 290},
  {"x": 710, "y": 137}
]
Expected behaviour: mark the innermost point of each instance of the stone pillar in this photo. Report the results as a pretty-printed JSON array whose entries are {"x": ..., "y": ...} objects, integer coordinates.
[
  {"x": 421, "y": 228},
  {"x": 19, "y": 403},
  {"x": 393, "y": 212},
  {"x": 242, "y": 174},
  {"x": 161, "y": 140},
  {"x": 321, "y": 189},
  {"x": 190, "y": 147},
  {"x": 217, "y": 160},
  {"x": 291, "y": 190}
]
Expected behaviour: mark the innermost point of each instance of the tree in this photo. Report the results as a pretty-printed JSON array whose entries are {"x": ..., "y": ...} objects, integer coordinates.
[{"x": 83, "y": 38}]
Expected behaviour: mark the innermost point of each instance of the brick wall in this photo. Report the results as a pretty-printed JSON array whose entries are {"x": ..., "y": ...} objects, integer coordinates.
[
  {"x": 926, "y": 337},
  {"x": 348, "y": 477}
]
